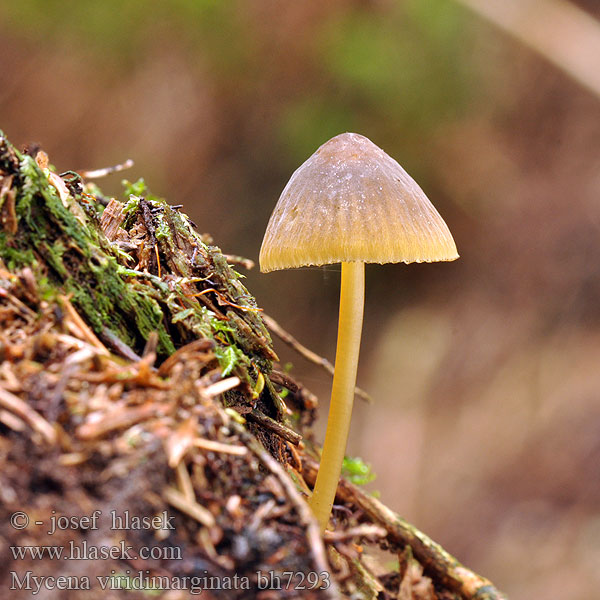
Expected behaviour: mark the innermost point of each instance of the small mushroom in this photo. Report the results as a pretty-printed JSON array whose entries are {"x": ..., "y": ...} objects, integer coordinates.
[{"x": 350, "y": 203}]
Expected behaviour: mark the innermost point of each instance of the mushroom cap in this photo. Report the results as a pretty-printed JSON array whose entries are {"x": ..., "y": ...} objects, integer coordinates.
[{"x": 352, "y": 202}]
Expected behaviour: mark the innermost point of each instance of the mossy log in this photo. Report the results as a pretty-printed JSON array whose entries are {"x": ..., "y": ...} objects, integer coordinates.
[
  {"x": 132, "y": 269},
  {"x": 136, "y": 374}
]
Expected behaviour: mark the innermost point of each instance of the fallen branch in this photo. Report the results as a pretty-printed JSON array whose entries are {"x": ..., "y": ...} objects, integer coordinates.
[
  {"x": 311, "y": 356},
  {"x": 559, "y": 31},
  {"x": 179, "y": 501},
  {"x": 437, "y": 563}
]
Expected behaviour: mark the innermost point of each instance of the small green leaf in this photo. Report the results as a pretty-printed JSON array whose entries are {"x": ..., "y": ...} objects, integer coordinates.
[
  {"x": 357, "y": 471},
  {"x": 136, "y": 189},
  {"x": 227, "y": 358}
]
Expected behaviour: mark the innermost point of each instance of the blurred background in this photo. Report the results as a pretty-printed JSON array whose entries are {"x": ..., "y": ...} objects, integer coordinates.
[{"x": 485, "y": 430}]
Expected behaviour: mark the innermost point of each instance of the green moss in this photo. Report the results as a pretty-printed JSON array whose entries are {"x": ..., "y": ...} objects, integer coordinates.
[
  {"x": 134, "y": 189},
  {"x": 228, "y": 357},
  {"x": 78, "y": 263},
  {"x": 357, "y": 471},
  {"x": 132, "y": 205},
  {"x": 65, "y": 245},
  {"x": 15, "y": 258}
]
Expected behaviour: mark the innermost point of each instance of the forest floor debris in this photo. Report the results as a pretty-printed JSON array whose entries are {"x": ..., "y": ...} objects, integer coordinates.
[{"x": 140, "y": 392}]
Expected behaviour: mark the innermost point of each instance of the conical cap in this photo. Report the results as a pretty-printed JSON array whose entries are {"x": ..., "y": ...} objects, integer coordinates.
[{"x": 348, "y": 202}]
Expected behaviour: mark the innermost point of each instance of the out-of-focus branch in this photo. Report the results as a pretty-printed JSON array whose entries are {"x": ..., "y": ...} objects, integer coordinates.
[
  {"x": 437, "y": 562},
  {"x": 311, "y": 356},
  {"x": 562, "y": 33}
]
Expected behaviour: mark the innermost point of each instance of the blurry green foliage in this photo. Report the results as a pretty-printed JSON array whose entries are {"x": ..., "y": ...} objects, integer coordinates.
[
  {"x": 119, "y": 28},
  {"x": 393, "y": 71},
  {"x": 110, "y": 25},
  {"x": 355, "y": 470},
  {"x": 310, "y": 122},
  {"x": 394, "y": 74},
  {"x": 406, "y": 62}
]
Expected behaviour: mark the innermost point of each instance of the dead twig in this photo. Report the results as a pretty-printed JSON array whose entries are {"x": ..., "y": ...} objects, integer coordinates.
[
  {"x": 82, "y": 327},
  {"x": 180, "y": 441},
  {"x": 239, "y": 260},
  {"x": 184, "y": 482},
  {"x": 559, "y": 31},
  {"x": 98, "y": 173},
  {"x": 23, "y": 310},
  {"x": 179, "y": 501},
  {"x": 220, "y": 387},
  {"x": 437, "y": 563},
  {"x": 309, "y": 355},
  {"x": 309, "y": 400},
  {"x": 364, "y": 530},
  {"x": 17, "y": 406},
  {"x": 275, "y": 426},
  {"x": 196, "y": 347},
  {"x": 118, "y": 418},
  {"x": 212, "y": 446}
]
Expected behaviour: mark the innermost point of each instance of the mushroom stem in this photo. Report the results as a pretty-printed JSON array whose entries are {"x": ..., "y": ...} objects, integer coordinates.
[{"x": 342, "y": 395}]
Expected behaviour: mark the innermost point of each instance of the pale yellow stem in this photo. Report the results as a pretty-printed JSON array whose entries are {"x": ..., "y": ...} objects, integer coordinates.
[{"x": 352, "y": 297}]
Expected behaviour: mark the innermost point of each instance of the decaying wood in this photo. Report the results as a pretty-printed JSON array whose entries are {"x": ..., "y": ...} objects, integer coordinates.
[
  {"x": 111, "y": 220},
  {"x": 438, "y": 563},
  {"x": 304, "y": 512},
  {"x": 278, "y": 428},
  {"x": 137, "y": 374}
]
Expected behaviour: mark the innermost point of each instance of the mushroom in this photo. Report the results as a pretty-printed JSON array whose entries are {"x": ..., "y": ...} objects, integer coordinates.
[{"x": 350, "y": 203}]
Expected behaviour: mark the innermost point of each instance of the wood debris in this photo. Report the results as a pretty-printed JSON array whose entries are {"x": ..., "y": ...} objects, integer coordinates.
[{"x": 137, "y": 380}]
